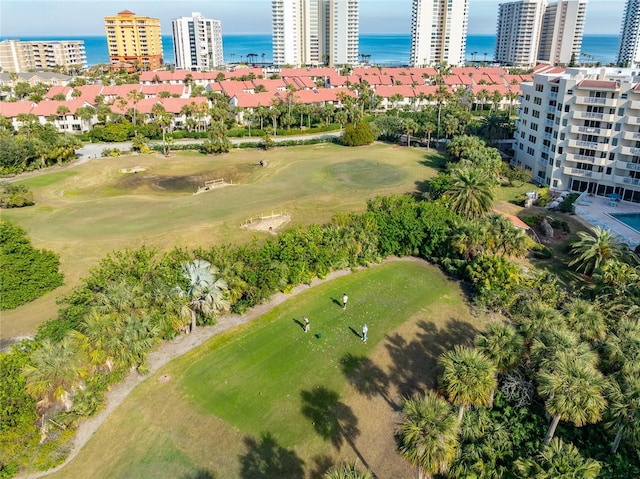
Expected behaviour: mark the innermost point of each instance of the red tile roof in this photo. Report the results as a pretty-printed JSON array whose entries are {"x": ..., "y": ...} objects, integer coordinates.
[
  {"x": 600, "y": 84},
  {"x": 11, "y": 109}
]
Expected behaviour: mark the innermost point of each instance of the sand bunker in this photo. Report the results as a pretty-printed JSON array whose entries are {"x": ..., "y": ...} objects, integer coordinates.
[
  {"x": 267, "y": 223},
  {"x": 135, "y": 169}
]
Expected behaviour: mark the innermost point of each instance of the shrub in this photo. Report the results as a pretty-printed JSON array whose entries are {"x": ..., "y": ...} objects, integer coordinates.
[
  {"x": 357, "y": 135},
  {"x": 26, "y": 273},
  {"x": 15, "y": 196},
  {"x": 540, "y": 251}
]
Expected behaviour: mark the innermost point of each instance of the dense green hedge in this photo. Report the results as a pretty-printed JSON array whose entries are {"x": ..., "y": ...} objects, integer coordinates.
[{"x": 26, "y": 273}]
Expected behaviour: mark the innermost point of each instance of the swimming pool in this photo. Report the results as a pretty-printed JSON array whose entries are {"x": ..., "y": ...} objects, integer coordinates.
[{"x": 632, "y": 220}]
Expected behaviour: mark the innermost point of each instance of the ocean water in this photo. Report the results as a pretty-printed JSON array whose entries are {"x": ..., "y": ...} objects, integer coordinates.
[{"x": 384, "y": 49}]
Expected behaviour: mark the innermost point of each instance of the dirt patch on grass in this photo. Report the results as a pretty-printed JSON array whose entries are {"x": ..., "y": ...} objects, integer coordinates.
[{"x": 269, "y": 224}]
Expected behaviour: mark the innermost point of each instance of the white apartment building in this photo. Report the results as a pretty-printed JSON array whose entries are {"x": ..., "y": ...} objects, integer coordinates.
[
  {"x": 580, "y": 131},
  {"x": 439, "y": 32},
  {"x": 518, "y": 32},
  {"x": 629, "y": 51},
  {"x": 315, "y": 32},
  {"x": 197, "y": 43},
  {"x": 17, "y": 56},
  {"x": 531, "y": 31}
]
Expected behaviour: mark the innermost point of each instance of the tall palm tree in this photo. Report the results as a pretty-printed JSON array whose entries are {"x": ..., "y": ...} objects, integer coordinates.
[
  {"x": 206, "y": 294},
  {"x": 428, "y": 435},
  {"x": 558, "y": 460},
  {"x": 584, "y": 318},
  {"x": 594, "y": 250},
  {"x": 347, "y": 471},
  {"x": 410, "y": 127},
  {"x": 556, "y": 340},
  {"x": 162, "y": 118},
  {"x": 573, "y": 391},
  {"x": 472, "y": 192},
  {"x": 469, "y": 378},
  {"x": 501, "y": 344},
  {"x": 623, "y": 414}
]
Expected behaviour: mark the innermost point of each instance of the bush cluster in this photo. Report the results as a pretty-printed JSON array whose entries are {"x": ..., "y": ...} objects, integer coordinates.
[
  {"x": 26, "y": 273},
  {"x": 15, "y": 196}
]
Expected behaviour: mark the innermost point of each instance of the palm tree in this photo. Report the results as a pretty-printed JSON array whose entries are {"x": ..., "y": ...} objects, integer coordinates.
[
  {"x": 206, "y": 295},
  {"x": 624, "y": 409},
  {"x": 163, "y": 120},
  {"x": 410, "y": 126},
  {"x": 472, "y": 193},
  {"x": 469, "y": 378},
  {"x": 594, "y": 250},
  {"x": 347, "y": 471},
  {"x": 573, "y": 391},
  {"x": 495, "y": 126},
  {"x": 428, "y": 435},
  {"x": 555, "y": 341},
  {"x": 469, "y": 238},
  {"x": 54, "y": 373},
  {"x": 583, "y": 317},
  {"x": 502, "y": 344},
  {"x": 558, "y": 460}
]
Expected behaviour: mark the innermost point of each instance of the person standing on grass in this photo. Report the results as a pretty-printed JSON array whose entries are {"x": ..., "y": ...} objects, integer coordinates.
[
  {"x": 345, "y": 298},
  {"x": 365, "y": 330},
  {"x": 306, "y": 324}
]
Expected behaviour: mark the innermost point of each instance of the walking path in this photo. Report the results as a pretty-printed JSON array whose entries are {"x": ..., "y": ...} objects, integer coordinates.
[{"x": 170, "y": 350}]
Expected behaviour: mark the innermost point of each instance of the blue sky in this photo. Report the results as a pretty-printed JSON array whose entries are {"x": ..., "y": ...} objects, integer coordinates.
[{"x": 85, "y": 17}]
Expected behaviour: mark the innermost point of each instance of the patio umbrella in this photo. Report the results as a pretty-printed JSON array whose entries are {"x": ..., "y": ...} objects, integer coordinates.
[{"x": 615, "y": 196}]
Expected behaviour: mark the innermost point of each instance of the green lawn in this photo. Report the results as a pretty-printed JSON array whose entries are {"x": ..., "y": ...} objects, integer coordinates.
[
  {"x": 93, "y": 209},
  {"x": 268, "y": 400}
]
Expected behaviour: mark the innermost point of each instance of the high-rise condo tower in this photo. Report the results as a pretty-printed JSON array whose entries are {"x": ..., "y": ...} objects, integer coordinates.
[
  {"x": 315, "y": 32},
  {"x": 629, "y": 51},
  {"x": 197, "y": 43},
  {"x": 439, "y": 32},
  {"x": 531, "y": 31},
  {"x": 134, "y": 40}
]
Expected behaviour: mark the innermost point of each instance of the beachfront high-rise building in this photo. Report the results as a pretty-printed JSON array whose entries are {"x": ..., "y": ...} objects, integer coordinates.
[
  {"x": 562, "y": 30},
  {"x": 197, "y": 43},
  {"x": 134, "y": 40},
  {"x": 629, "y": 51},
  {"x": 531, "y": 31},
  {"x": 315, "y": 32},
  {"x": 518, "y": 31},
  {"x": 17, "y": 56},
  {"x": 580, "y": 131},
  {"x": 439, "y": 32}
]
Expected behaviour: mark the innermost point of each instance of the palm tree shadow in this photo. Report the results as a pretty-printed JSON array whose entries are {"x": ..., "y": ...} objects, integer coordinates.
[
  {"x": 366, "y": 377},
  {"x": 414, "y": 364},
  {"x": 333, "y": 420},
  {"x": 321, "y": 464},
  {"x": 266, "y": 459},
  {"x": 201, "y": 474}
]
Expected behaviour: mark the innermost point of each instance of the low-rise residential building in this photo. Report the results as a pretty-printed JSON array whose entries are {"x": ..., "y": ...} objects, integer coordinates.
[
  {"x": 579, "y": 131},
  {"x": 18, "y": 56}
]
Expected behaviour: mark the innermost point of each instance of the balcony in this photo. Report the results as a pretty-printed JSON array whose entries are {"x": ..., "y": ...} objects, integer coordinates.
[
  {"x": 592, "y": 100},
  {"x": 553, "y": 94},
  {"x": 582, "y": 173},
  {"x": 590, "y": 115},
  {"x": 631, "y": 135},
  {"x": 626, "y": 165},
  {"x": 630, "y": 151},
  {"x": 635, "y": 105},
  {"x": 583, "y": 144},
  {"x": 627, "y": 180},
  {"x": 592, "y": 160},
  {"x": 584, "y": 129}
]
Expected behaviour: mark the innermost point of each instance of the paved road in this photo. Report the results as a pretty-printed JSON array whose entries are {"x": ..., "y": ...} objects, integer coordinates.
[{"x": 94, "y": 150}]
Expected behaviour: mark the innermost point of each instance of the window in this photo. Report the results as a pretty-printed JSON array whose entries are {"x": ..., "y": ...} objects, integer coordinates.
[
  {"x": 555, "y": 183},
  {"x": 608, "y": 172},
  {"x": 566, "y": 108},
  {"x": 539, "y": 87},
  {"x": 532, "y": 139},
  {"x": 534, "y": 126},
  {"x": 569, "y": 92},
  {"x": 621, "y": 111},
  {"x": 535, "y": 114},
  {"x": 530, "y": 151},
  {"x": 537, "y": 101}
]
